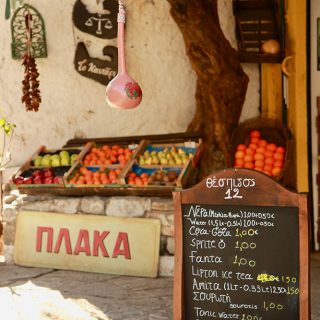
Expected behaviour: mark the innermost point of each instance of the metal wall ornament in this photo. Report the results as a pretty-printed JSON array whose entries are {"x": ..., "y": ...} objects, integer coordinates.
[
  {"x": 103, "y": 26},
  {"x": 19, "y": 31},
  {"x": 96, "y": 69}
]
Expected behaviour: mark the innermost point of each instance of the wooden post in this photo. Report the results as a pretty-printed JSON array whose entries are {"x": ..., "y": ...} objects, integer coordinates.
[
  {"x": 271, "y": 91},
  {"x": 296, "y": 40}
]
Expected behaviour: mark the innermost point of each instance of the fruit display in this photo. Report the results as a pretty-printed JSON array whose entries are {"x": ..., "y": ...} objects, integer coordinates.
[
  {"x": 94, "y": 176},
  {"x": 108, "y": 155},
  {"x": 168, "y": 156},
  {"x": 62, "y": 158},
  {"x": 260, "y": 155},
  {"x": 151, "y": 177},
  {"x": 48, "y": 176}
]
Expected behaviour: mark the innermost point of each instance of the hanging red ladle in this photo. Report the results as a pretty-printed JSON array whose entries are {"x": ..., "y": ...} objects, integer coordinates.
[{"x": 123, "y": 92}]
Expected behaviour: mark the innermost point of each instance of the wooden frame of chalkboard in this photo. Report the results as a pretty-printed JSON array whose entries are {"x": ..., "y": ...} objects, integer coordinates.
[{"x": 281, "y": 225}]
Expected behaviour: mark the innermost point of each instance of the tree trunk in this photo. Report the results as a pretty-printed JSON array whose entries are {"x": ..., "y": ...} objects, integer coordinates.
[{"x": 221, "y": 84}]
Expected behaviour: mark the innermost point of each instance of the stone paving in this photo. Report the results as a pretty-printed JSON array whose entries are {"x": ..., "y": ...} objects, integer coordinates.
[{"x": 45, "y": 294}]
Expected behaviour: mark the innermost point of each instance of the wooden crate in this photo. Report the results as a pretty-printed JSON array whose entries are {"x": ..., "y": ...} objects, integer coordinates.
[{"x": 28, "y": 168}]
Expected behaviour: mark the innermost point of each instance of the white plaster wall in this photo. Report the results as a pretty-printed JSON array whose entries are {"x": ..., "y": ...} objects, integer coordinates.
[
  {"x": 315, "y": 91},
  {"x": 74, "y": 105}
]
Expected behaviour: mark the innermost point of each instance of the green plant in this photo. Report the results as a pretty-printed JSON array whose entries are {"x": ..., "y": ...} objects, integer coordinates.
[{"x": 7, "y": 133}]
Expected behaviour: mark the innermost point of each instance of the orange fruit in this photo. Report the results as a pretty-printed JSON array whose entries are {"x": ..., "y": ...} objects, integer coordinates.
[
  {"x": 250, "y": 151},
  {"x": 248, "y": 158},
  {"x": 259, "y": 163},
  {"x": 268, "y": 167},
  {"x": 281, "y": 150},
  {"x": 278, "y": 164},
  {"x": 239, "y": 163},
  {"x": 271, "y": 147},
  {"x": 248, "y": 165},
  {"x": 276, "y": 171},
  {"x": 258, "y": 156},
  {"x": 239, "y": 154},
  {"x": 241, "y": 147},
  {"x": 269, "y": 161},
  {"x": 255, "y": 134},
  {"x": 278, "y": 156},
  {"x": 262, "y": 143}
]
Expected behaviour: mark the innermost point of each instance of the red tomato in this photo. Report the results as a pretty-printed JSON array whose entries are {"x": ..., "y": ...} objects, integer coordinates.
[
  {"x": 258, "y": 168},
  {"x": 255, "y": 134},
  {"x": 267, "y": 172}
]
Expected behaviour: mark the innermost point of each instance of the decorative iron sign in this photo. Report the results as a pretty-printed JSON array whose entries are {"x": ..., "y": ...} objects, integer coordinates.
[
  {"x": 19, "y": 33},
  {"x": 99, "y": 70},
  {"x": 99, "y": 25}
]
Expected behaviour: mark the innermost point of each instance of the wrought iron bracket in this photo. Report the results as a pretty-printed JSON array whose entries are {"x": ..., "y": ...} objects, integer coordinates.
[{"x": 19, "y": 33}]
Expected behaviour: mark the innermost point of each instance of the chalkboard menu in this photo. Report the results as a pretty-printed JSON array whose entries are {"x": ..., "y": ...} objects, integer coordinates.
[{"x": 241, "y": 250}]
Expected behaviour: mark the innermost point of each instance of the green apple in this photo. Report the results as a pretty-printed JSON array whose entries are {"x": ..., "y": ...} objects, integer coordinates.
[
  {"x": 55, "y": 156},
  {"x": 73, "y": 158},
  {"x": 46, "y": 161},
  {"x": 65, "y": 161},
  {"x": 164, "y": 161},
  {"x": 37, "y": 161},
  {"x": 141, "y": 161},
  {"x": 64, "y": 153},
  {"x": 56, "y": 162},
  {"x": 148, "y": 160}
]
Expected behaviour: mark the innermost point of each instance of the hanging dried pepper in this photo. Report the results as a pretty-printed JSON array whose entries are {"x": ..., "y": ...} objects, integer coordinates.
[{"x": 30, "y": 85}]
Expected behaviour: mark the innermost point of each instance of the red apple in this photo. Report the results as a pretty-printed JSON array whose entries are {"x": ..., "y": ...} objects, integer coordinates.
[
  {"x": 18, "y": 180},
  {"x": 37, "y": 180},
  {"x": 57, "y": 180},
  {"x": 48, "y": 180},
  {"x": 48, "y": 173},
  {"x": 37, "y": 173},
  {"x": 28, "y": 180}
]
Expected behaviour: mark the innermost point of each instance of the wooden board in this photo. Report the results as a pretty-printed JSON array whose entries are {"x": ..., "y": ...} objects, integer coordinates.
[
  {"x": 128, "y": 246},
  {"x": 242, "y": 249}
]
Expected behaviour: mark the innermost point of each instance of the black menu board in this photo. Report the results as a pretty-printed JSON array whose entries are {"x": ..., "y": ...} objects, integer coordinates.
[
  {"x": 241, "y": 262},
  {"x": 242, "y": 250}
]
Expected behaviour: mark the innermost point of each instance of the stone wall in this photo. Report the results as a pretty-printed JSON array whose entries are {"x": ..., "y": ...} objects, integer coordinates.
[{"x": 137, "y": 207}]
